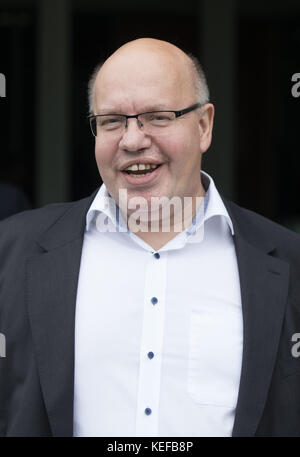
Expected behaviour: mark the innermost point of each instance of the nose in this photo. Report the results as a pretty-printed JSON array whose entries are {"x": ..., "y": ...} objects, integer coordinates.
[{"x": 133, "y": 138}]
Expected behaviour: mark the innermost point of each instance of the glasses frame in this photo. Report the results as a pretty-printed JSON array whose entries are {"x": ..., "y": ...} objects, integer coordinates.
[{"x": 136, "y": 116}]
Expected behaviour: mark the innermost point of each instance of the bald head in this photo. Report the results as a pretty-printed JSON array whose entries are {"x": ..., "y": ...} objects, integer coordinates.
[
  {"x": 133, "y": 51},
  {"x": 146, "y": 58},
  {"x": 150, "y": 45}
]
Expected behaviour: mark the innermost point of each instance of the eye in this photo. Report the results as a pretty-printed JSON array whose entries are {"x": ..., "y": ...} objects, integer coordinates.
[
  {"x": 159, "y": 118},
  {"x": 110, "y": 122}
]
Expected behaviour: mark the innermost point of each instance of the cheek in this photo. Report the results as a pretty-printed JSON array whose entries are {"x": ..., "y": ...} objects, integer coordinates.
[
  {"x": 186, "y": 158},
  {"x": 172, "y": 148},
  {"x": 187, "y": 138},
  {"x": 104, "y": 155},
  {"x": 183, "y": 152}
]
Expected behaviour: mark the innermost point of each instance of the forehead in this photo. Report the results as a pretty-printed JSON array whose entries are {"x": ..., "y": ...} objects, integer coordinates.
[{"x": 140, "y": 78}]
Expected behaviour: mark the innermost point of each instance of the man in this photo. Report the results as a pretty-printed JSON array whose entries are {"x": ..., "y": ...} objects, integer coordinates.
[
  {"x": 12, "y": 200},
  {"x": 115, "y": 326}
]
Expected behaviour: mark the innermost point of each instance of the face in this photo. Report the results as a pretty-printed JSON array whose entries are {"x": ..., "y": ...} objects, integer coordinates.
[{"x": 135, "y": 81}]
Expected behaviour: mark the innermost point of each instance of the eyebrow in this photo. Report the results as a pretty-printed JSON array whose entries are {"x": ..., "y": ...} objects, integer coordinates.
[
  {"x": 158, "y": 107},
  {"x": 155, "y": 107}
]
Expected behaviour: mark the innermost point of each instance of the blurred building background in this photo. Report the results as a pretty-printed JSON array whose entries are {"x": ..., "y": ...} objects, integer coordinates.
[{"x": 249, "y": 49}]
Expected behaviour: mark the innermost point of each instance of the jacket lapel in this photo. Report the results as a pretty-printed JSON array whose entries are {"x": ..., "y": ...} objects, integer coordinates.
[
  {"x": 264, "y": 289},
  {"x": 52, "y": 278}
]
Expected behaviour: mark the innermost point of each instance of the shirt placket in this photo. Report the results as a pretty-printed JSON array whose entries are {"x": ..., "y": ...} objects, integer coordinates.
[{"x": 151, "y": 350}]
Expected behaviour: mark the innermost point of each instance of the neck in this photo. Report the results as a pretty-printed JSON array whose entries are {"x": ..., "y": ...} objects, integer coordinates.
[{"x": 161, "y": 225}]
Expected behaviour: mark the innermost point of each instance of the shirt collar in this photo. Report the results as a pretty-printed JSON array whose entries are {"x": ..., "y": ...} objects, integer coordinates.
[
  {"x": 104, "y": 203},
  {"x": 211, "y": 206}
]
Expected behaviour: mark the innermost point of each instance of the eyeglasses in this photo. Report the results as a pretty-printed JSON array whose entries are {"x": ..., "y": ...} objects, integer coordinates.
[{"x": 152, "y": 122}]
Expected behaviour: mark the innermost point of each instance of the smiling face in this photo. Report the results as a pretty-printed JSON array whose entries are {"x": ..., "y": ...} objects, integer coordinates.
[{"x": 147, "y": 75}]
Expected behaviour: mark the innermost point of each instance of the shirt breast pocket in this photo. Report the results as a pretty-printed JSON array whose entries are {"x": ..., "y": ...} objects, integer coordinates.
[{"x": 215, "y": 354}]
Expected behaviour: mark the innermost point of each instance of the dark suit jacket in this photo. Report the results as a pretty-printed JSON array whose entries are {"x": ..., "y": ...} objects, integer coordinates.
[
  {"x": 12, "y": 201},
  {"x": 40, "y": 253}
]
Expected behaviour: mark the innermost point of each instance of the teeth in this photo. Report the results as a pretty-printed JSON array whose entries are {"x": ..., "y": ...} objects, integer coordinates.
[
  {"x": 141, "y": 166},
  {"x": 133, "y": 167}
]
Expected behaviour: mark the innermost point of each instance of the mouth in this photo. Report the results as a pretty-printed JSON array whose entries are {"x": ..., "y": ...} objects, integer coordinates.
[
  {"x": 141, "y": 169},
  {"x": 141, "y": 173}
]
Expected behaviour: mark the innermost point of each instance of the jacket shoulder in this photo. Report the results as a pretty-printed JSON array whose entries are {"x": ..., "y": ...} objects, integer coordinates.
[
  {"x": 254, "y": 225},
  {"x": 33, "y": 220},
  {"x": 29, "y": 224}
]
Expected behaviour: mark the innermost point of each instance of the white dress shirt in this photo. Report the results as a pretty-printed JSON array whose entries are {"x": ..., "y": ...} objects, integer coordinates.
[{"x": 158, "y": 338}]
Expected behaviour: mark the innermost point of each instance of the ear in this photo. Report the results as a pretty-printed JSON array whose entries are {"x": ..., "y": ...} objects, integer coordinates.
[{"x": 206, "y": 126}]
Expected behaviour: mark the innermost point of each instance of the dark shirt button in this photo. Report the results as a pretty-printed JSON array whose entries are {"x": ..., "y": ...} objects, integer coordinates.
[
  {"x": 148, "y": 411},
  {"x": 150, "y": 355},
  {"x": 156, "y": 255},
  {"x": 154, "y": 300}
]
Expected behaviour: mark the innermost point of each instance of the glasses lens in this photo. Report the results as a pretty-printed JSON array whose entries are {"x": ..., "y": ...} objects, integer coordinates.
[
  {"x": 157, "y": 123},
  {"x": 110, "y": 123}
]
